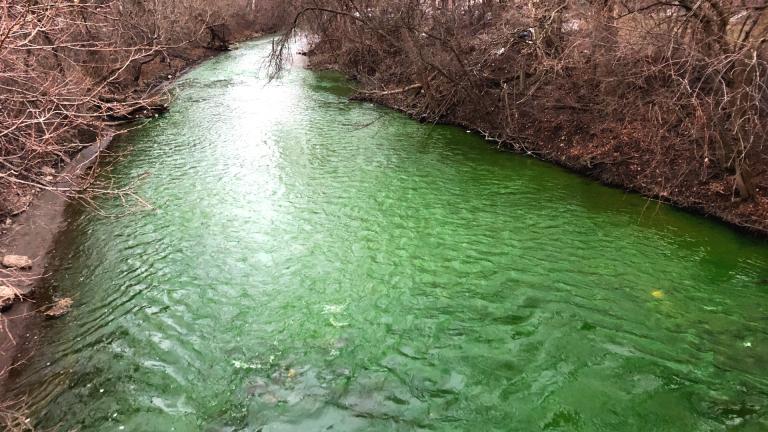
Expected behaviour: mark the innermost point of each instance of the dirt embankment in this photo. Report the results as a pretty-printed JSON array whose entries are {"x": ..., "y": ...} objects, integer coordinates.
[{"x": 31, "y": 235}]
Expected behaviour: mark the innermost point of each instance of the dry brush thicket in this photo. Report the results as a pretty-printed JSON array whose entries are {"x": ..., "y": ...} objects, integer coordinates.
[
  {"x": 70, "y": 68},
  {"x": 665, "y": 97}
]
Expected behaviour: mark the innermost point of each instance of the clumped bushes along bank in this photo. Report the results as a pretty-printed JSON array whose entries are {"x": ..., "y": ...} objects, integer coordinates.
[
  {"x": 666, "y": 98},
  {"x": 69, "y": 68}
]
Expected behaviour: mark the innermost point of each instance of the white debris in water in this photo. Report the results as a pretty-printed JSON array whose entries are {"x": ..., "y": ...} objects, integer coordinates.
[
  {"x": 747, "y": 344},
  {"x": 338, "y": 324},
  {"x": 333, "y": 309},
  {"x": 242, "y": 365}
]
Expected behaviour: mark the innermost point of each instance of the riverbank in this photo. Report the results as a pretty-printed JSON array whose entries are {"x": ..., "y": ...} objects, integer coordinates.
[
  {"x": 31, "y": 231},
  {"x": 602, "y": 148},
  {"x": 590, "y": 88},
  {"x": 31, "y": 234},
  {"x": 611, "y": 160}
]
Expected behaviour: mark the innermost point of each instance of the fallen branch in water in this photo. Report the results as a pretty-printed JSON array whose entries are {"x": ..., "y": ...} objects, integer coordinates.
[{"x": 391, "y": 92}]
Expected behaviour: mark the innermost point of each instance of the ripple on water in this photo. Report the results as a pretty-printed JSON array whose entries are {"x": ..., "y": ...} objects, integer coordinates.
[{"x": 302, "y": 271}]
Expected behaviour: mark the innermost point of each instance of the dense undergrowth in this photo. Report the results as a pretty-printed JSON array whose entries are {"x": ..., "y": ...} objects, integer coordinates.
[{"x": 666, "y": 98}]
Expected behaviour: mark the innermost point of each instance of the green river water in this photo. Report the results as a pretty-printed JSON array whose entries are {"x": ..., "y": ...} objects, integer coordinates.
[{"x": 317, "y": 264}]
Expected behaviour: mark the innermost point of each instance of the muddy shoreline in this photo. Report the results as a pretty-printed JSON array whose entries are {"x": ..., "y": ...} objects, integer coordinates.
[{"x": 32, "y": 234}]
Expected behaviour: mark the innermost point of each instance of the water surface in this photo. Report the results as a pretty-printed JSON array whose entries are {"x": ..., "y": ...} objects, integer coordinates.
[{"x": 317, "y": 264}]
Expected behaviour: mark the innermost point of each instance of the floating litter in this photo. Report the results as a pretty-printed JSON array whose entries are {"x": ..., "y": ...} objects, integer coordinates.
[
  {"x": 333, "y": 308},
  {"x": 338, "y": 324},
  {"x": 657, "y": 294},
  {"x": 242, "y": 365}
]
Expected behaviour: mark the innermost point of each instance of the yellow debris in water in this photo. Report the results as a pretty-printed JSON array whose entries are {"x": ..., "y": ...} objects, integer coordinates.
[
  {"x": 657, "y": 294},
  {"x": 292, "y": 373}
]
